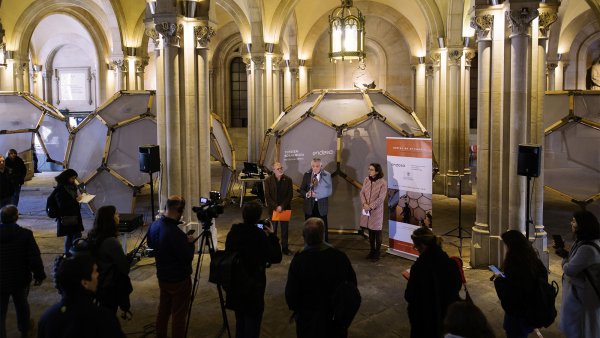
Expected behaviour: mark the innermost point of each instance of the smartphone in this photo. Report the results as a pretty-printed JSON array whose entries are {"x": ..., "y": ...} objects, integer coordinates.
[
  {"x": 495, "y": 270},
  {"x": 190, "y": 232},
  {"x": 260, "y": 225},
  {"x": 558, "y": 241}
]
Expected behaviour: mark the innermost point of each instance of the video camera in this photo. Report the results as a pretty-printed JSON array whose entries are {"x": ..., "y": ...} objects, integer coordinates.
[{"x": 209, "y": 208}]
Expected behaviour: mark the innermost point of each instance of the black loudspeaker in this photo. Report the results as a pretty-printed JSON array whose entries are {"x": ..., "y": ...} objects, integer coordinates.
[
  {"x": 530, "y": 160},
  {"x": 149, "y": 158}
]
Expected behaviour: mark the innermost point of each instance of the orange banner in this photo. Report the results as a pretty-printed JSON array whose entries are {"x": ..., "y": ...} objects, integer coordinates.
[{"x": 419, "y": 148}]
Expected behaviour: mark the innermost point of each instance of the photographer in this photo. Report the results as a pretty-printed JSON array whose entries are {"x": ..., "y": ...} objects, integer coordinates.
[
  {"x": 258, "y": 248},
  {"x": 174, "y": 252}
]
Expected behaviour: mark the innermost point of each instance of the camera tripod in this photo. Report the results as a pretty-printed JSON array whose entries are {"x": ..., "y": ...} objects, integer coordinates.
[
  {"x": 206, "y": 240},
  {"x": 459, "y": 228}
]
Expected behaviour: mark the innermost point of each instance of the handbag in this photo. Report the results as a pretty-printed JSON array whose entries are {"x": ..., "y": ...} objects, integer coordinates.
[
  {"x": 592, "y": 272},
  {"x": 69, "y": 221}
]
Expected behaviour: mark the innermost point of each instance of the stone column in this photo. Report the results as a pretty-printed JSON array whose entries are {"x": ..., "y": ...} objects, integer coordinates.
[
  {"x": 480, "y": 246},
  {"x": 467, "y": 183},
  {"x": 212, "y": 94},
  {"x": 293, "y": 85},
  {"x": 550, "y": 75},
  {"x": 276, "y": 88},
  {"x": 303, "y": 78},
  {"x": 453, "y": 124},
  {"x": 256, "y": 123},
  {"x": 171, "y": 33},
  {"x": 429, "y": 97},
  {"x": 268, "y": 109},
  {"x": 519, "y": 21},
  {"x": 436, "y": 123},
  {"x": 20, "y": 75},
  {"x": 47, "y": 84},
  {"x": 119, "y": 66},
  {"x": 140, "y": 67},
  {"x": 420, "y": 93}
]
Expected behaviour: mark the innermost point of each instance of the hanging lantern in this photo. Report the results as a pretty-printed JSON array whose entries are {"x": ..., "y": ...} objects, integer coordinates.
[{"x": 346, "y": 33}]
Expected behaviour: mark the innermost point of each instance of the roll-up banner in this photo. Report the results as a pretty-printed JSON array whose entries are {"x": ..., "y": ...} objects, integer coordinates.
[{"x": 409, "y": 168}]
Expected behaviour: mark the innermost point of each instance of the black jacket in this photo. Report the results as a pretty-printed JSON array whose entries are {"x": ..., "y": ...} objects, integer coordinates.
[
  {"x": 172, "y": 251},
  {"x": 67, "y": 206},
  {"x": 114, "y": 285},
  {"x": 19, "y": 170},
  {"x": 256, "y": 250},
  {"x": 434, "y": 284},
  {"x": 271, "y": 192},
  {"x": 6, "y": 184},
  {"x": 78, "y": 317},
  {"x": 312, "y": 279},
  {"x": 19, "y": 258}
]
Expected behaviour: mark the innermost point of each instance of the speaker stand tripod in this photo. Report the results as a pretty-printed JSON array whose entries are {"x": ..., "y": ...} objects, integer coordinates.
[
  {"x": 134, "y": 253},
  {"x": 459, "y": 228}
]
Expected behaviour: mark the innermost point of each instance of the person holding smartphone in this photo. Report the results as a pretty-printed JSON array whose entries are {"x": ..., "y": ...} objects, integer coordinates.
[
  {"x": 258, "y": 247},
  {"x": 516, "y": 283}
]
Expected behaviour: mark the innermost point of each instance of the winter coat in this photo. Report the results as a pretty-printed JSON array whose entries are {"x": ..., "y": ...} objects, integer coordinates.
[
  {"x": 66, "y": 198},
  {"x": 19, "y": 258},
  {"x": 7, "y": 187},
  {"x": 114, "y": 285},
  {"x": 271, "y": 192},
  {"x": 19, "y": 170},
  {"x": 433, "y": 285},
  {"x": 373, "y": 194},
  {"x": 580, "y": 309},
  {"x": 172, "y": 251},
  {"x": 256, "y": 250}
]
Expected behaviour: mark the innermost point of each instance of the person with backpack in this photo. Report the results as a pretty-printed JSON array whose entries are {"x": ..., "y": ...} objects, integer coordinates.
[
  {"x": 433, "y": 285},
  {"x": 63, "y": 204},
  {"x": 518, "y": 289},
  {"x": 114, "y": 285},
  {"x": 319, "y": 279},
  {"x": 465, "y": 320},
  {"x": 257, "y": 249},
  {"x": 580, "y": 308}
]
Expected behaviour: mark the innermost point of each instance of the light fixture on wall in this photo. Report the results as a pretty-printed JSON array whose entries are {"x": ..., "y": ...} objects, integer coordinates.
[
  {"x": 195, "y": 8},
  {"x": 301, "y": 62},
  {"x": 421, "y": 60},
  {"x": 558, "y": 56},
  {"x": 287, "y": 63},
  {"x": 441, "y": 42},
  {"x": 466, "y": 41},
  {"x": 151, "y": 5},
  {"x": 2, "y": 55},
  {"x": 249, "y": 47},
  {"x": 346, "y": 33},
  {"x": 269, "y": 47}
]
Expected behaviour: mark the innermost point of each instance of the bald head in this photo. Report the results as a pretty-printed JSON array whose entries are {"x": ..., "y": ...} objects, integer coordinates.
[{"x": 313, "y": 231}]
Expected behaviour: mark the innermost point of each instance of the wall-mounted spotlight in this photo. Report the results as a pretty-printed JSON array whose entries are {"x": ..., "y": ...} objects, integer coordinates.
[
  {"x": 9, "y": 55},
  {"x": 421, "y": 60},
  {"x": 441, "y": 42},
  {"x": 151, "y": 5},
  {"x": 249, "y": 47},
  {"x": 37, "y": 68},
  {"x": 269, "y": 47},
  {"x": 287, "y": 63},
  {"x": 466, "y": 41},
  {"x": 195, "y": 8},
  {"x": 301, "y": 62},
  {"x": 131, "y": 51},
  {"x": 558, "y": 56}
]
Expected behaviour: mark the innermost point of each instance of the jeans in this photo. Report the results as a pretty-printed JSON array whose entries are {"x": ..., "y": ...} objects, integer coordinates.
[
  {"x": 284, "y": 233},
  {"x": 315, "y": 213},
  {"x": 19, "y": 297},
  {"x": 247, "y": 325},
  {"x": 174, "y": 302},
  {"x": 69, "y": 240},
  {"x": 16, "y": 195}
]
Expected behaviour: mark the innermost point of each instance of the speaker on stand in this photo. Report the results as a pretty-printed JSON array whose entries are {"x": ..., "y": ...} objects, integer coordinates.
[{"x": 529, "y": 164}]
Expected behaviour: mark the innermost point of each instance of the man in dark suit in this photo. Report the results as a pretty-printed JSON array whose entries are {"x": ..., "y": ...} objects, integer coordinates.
[
  {"x": 316, "y": 188},
  {"x": 278, "y": 197},
  {"x": 19, "y": 171}
]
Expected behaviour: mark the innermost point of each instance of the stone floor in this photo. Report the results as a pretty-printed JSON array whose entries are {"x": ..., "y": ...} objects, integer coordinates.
[{"x": 383, "y": 310}]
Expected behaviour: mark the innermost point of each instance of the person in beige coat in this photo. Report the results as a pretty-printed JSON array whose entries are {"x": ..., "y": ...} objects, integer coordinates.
[{"x": 372, "y": 196}]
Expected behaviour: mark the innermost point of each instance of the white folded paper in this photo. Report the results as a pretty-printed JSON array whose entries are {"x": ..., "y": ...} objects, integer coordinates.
[
  {"x": 366, "y": 212},
  {"x": 86, "y": 198}
]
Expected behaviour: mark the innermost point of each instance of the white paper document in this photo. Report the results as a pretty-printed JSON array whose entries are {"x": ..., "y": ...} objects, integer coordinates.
[
  {"x": 366, "y": 212},
  {"x": 86, "y": 198}
]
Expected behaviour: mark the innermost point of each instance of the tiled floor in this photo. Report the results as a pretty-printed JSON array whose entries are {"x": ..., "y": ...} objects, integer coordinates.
[{"x": 383, "y": 310}]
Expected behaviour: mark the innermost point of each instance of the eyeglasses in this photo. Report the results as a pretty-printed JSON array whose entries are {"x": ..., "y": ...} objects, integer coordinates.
[{"x": 280, "y": 168}]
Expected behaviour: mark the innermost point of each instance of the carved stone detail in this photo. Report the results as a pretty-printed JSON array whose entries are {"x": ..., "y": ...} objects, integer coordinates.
[
  {"x": 482, "y": 25},
  {"x": 551, "y": 66},
  {"x": 469, "y": 56},
  {"x": 454, "y": 56},
  {"x": 203, "y": 35},
  {"x": 119, "y": 64},
  {"x": 435, "y": 58},
  {"x": 547, "y": 17},
  {"x": 276, "y": 62},
  {"x": 520, "y": 19},
  {"x": 140, "y": 65},
  {"x": 153, "y": 35},
  {"x": 171, "y": 33}
]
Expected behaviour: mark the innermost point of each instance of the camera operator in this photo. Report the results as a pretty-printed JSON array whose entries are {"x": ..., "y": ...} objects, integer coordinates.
[
  {"x": 257, "y": 248},
  {"x": 174, "y": 252}
]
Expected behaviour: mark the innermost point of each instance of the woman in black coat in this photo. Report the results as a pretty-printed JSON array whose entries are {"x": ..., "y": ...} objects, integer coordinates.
[
  {"x": 433, "y": 285},
  {"x": 69, "y": 222}
]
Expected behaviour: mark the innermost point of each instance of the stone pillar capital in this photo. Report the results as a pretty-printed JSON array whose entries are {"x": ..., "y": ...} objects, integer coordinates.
[
  {"x": 259, "y": 62},
  {"x": 483, "y": 26},
  {"x": 276, "y": 62},
  {"x": 152, "y": 34},
  {"x": 429, "y": 70},
  {"x": 435, "y": 59},
  {"x": 469, "y": 56},
  {"x": 140, "y": 65},
  {"x": 520, "y": 19},
  {"x": 550, "y": 66},
  {"x": 171, "y": 33},
  {"x": 203, "y": 34},
  {"x": 118, "y": 65},
  {"x": 547, "y": 16},
  {"x": 454, "y": 56}
]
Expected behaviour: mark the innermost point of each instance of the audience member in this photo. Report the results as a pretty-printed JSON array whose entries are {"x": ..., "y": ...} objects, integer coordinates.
[
  {"x": 372, "y": 196},
  {"x": 174, "y": 252},
  {"x": 580, "y": 309},
  {"x": 465, "y": 320},
  {"x": 433, "y": 285},
  {"x": 114, "y": 285},
  {"x": 69, "y": 223},
  {"x": 76, "y": 315},
  {"x": 314, "y": 274},
  {"x": 257, "y": 248},
  {"x": 19, "y": 171},
  {"x": 19, "y": 259},
  {"x": 278, "y": 196},
  {"x": 6, "y": 183},
  {"x": 522, "y": 269},
  {"x": 316, "y": 188}
]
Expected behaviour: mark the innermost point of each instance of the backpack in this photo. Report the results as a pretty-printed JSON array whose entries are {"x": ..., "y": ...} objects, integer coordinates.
[
  {"x": 463, "y": 280},
  {"x": 346, "y": 302},
  {"x": 592, "y": 272},
  {"x": 52, "y": 209},
  {"x": 81, "y": 246},
  {"x": 223, "y": 267},
  {"x": 541, "y": 309}
]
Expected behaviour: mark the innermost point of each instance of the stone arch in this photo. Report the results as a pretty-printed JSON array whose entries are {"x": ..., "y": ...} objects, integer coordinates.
[
  {"x": 575, "y": 72},
  {"x": 386, "y": 13},
  {"x": 428, "y": 8},
  {"x": 239, "y": 17},
  {"x": 255, "y": 13},
  {"x": 224, "y": 53},
  {"x": 291, "y": 38},
  {"x": 582, "y": 59}
]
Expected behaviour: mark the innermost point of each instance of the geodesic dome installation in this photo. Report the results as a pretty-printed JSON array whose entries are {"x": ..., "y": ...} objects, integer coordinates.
[
  {"x": 23, "y": 116},
  {"x": 104, "y": 149},
  {"x": 347, "y": 129},
  {"x": 221, "y": 148},
  {"x": 571, "y": 146}
]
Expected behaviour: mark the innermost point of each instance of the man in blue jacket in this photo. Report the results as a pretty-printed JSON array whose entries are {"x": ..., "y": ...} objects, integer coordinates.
[
  {"x": 174, "y": 252},
  {"x": 316, "y": 188}
]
